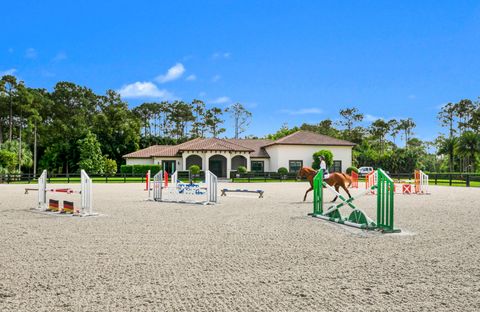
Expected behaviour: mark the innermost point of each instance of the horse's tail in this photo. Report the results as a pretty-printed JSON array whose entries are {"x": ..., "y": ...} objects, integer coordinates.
[{"x": 348, "y": 178}]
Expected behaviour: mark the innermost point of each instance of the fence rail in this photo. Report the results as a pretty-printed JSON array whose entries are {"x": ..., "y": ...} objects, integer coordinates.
[
  {"x": 71, "y": 178},
  {"x": 452, "y": 179}
]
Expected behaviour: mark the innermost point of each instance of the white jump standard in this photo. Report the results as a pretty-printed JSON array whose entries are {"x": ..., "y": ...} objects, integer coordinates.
[{"x": 86, "y": 205}]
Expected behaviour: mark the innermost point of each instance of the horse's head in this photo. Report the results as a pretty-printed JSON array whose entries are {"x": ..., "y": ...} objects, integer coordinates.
[
  {"x": 305, "y": 172},
  {"x": 300, "y": 173}
]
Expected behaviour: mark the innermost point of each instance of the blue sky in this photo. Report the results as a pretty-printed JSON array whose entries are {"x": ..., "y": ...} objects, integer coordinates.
[{"x": 287, "y": 61}]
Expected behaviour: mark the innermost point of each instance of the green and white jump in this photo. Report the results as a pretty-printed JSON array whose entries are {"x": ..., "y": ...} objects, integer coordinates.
[{"x": 357, "y": 218}]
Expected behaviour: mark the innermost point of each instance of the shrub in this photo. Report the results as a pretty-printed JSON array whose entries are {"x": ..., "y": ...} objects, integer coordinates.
[
  {"x": 194, "y": 169},
  {"x": 110, "y": 167},
  {"x": 282, "y": 170},
  {"x": 126, "y": 169},
  {"x": 352, "y": 168},
  {"x": 316, "y": 159},
  {"x": 140, "y": 169},
  {"x": 241, "y": 169}
]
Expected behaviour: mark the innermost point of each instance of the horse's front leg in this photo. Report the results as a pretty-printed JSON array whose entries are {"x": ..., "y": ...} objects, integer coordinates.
[{"x": 305, "y": 197}]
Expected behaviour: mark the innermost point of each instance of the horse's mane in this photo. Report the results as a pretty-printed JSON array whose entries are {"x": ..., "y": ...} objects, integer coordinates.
[{"x": 308, "y": 171}]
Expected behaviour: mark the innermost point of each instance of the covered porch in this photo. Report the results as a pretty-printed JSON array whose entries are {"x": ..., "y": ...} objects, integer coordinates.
[{"x": 219, "y": 163}]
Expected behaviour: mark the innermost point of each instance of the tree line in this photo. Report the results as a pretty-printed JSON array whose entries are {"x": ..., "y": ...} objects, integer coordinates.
[
  {"x": 72, "y": 128},
  {"x": 392, "y": 145}
]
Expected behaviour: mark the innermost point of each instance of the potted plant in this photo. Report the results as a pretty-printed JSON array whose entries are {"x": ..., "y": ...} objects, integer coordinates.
[
  {"x": 241, "y": 170},
  {"x": 194, "y": 172},
  {"x": 283, "y": 173}
]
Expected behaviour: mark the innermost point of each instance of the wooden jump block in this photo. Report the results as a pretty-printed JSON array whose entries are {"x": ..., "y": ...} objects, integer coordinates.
[
  {"x": 67, "y": 207},
  {"x": 225, "y": 191},
  {"x": 53, "y": 205}
]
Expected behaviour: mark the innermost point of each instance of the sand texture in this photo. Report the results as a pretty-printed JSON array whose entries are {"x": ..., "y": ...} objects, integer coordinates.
[{"x": 244, "y": 254}]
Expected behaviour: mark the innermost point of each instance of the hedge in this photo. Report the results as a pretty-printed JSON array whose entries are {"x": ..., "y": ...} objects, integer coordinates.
[{"x": 140, "y": 169}]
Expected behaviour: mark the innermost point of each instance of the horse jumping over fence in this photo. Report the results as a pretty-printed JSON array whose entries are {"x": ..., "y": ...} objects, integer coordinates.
[{"x": 334, "y": 179}]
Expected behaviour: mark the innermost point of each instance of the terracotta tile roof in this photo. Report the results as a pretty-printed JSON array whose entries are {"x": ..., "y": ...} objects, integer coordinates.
[
  {"x": 310, "y": 138},
  {"x": 148, "y": 152},
  {"x": 257, "y": 145},
  {"x": 212, "y": 144},
  {"x": 199, "y": 144}
]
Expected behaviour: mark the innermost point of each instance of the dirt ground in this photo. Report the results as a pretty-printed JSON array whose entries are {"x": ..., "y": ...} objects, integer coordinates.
[{"x": 243, "y": 254}]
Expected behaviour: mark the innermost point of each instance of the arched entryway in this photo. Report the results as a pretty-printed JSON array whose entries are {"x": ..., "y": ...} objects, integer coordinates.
[
  {"x": 217, "y": 164},
  {"x": 193, "y": 160},
  {"x": 238, "y": 161}
]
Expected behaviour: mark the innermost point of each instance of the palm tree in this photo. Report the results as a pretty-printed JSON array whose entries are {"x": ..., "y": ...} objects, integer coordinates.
[
  {"x": 393, "y": 124},
  {"x": 446, "y": 146},
  {"x": 468, "y": 146},
  {"x": 407, "y": 126}
]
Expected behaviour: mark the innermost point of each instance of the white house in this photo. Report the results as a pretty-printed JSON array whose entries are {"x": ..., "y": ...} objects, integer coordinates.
[{"x": 223, "y": 155}]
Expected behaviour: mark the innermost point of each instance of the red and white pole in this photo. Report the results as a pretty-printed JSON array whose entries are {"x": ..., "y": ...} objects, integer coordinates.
[{"x": 147, "y": 181}]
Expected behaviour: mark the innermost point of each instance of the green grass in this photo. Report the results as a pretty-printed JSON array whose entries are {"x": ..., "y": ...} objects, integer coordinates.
[
  {"x": 75, "y": 180},
  {"x": 262, "y": 180}
]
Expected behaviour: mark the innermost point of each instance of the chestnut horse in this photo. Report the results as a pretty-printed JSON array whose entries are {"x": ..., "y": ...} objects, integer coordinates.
[{"x": 335, "y": 179}]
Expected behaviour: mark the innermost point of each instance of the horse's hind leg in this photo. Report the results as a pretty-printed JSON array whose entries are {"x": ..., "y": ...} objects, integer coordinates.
[
  {"x": 305, "y": 197},
  {"x": 346, "y": 190},
  {"x": 336, "y": 196}
]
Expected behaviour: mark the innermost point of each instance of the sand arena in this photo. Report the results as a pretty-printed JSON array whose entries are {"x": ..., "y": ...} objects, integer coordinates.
[{"x": 244, "y": 254}]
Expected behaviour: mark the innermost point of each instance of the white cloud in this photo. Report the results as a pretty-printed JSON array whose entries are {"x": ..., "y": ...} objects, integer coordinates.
[
  {"x": 221, "y": 100},
  {"x": 302, "y": 111},
  {"x": 173, "y": 73},
  {"x": 60, "y": 56},
  {"x": 46, "y": 73},
  {"x": 144, "y": 90},
  {"x": 216, "y": 78},
  {"x": 31, "y": 53},
  {"x": 10, "y": 71},
  {"x": 371, "y": 118},
  {"x": 221, "y": 55},
  {"x": 191, "y": 77}
]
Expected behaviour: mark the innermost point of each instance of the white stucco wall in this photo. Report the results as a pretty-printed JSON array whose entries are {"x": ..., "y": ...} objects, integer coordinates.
[
  {"x": 139, "y": 161},
  {"x": 280, "y": 155}
]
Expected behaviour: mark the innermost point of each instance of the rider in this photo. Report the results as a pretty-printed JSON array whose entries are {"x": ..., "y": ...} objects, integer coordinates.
[{"x": 323, "y": 166}]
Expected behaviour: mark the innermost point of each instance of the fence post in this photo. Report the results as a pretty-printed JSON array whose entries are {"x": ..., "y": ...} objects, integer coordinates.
[
  {"x": 124, "y": 178},
  {"x": 436, "y": 178},
  {"x": 467, "y": 180},
  {"x": 450, "y": 179}
]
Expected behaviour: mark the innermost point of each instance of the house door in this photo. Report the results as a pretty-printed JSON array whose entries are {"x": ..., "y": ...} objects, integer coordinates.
[
  {"x": 168, "y": 166},
  {"x": 215, "y": 166}
]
